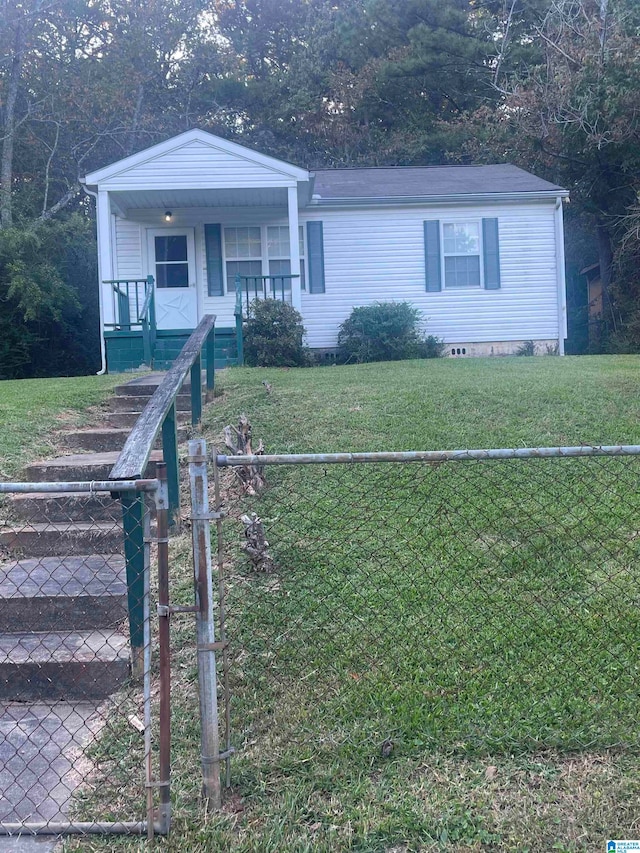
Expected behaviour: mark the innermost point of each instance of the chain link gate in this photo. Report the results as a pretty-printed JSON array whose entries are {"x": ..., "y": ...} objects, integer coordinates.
[
  {"x": 479, "y": 602},
  {"x": 78, "y": 651}
]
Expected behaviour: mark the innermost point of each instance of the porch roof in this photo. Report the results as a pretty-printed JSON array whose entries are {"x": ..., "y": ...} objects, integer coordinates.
[{"x": 180, "y": 199}]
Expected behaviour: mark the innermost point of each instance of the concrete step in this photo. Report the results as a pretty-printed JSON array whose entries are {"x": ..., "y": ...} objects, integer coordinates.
[
  {"x": 136, "y": 404},
  {"x": 128, "y": 419},
  {"x": 81, "y": 466},
  {"x": 79, "y": 593},
  {"x": 104, "y": 439},
  {"x": 62, "y": 665},
  {"x": 46, "y": 507},
  {"x": 63, "y": 539}
]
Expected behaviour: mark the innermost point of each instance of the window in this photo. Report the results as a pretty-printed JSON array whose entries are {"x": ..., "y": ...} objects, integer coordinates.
[
  {"x": 244, "y": 254},
  {"x": 461, "y": 251},
  {"x": 243, "y": 251},
  {"x": 172, "y": 268}
]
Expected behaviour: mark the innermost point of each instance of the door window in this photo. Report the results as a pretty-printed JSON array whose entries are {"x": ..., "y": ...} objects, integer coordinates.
[{"x": 172, "y": 267}]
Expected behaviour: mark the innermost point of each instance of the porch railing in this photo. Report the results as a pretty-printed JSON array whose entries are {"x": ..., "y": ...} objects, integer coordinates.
[
  {"x": 249, "y": 288},
  {"x": 134, "y": 307}
]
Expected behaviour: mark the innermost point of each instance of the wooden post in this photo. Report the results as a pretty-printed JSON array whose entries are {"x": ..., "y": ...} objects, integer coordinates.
[
  {"x": 196, "y": 391},
  {"x": 133, "y": 522},
  {"x": 171, "y": 460}
]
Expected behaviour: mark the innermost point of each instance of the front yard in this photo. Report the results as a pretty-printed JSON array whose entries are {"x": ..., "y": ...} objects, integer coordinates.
[{"x": 445, "y": 657}]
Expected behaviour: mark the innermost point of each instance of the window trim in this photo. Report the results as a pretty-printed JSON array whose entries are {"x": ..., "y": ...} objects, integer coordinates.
[{"x": 480, "y": 253}]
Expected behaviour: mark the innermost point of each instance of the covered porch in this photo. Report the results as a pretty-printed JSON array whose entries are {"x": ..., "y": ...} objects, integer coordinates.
[{"x": 190, "y": 227}]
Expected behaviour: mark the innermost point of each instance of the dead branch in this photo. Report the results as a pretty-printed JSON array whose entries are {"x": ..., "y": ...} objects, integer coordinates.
[
  {"x": 255, "y": 544},
  {"x": 238, "y": 442}
]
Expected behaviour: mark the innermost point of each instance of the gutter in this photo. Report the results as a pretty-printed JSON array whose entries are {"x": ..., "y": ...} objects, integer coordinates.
[
  {"x": 103, "y": 353},
  {"x": 438, "y": 199}
]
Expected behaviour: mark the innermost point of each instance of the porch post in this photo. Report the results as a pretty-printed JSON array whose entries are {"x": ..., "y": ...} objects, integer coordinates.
[
  {"x": 294, "y": 247},
  {"x": 105, "y": 265}
]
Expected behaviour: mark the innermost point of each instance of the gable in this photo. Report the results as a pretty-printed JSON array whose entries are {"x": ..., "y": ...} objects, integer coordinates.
[{"x": 196, "y": 160}]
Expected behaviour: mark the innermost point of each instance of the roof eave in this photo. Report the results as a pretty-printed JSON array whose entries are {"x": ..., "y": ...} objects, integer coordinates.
[{"x": 440, "y": 199}]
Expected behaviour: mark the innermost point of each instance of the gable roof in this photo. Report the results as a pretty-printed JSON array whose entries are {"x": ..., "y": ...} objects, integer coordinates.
[
  {"x": 427, "y": 182},
  {"x": 186, "y": 139}
]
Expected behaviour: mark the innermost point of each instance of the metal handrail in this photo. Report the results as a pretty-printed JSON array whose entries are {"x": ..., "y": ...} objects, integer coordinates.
[{"x": 145, "y": 316}]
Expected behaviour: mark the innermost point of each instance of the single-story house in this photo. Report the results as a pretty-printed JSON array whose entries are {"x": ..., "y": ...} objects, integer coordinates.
[{"x": 194, "y": 221}]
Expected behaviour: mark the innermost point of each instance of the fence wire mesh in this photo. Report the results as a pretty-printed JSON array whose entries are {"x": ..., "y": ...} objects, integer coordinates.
[
  {"x": 75, "y": 656},
  {"x": 475, "y": 607}
]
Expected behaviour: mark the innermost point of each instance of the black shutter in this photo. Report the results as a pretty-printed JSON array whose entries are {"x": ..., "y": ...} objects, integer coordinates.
[
  {"x": 491, "y": 254},
  {"x": 315, "y": 253}
]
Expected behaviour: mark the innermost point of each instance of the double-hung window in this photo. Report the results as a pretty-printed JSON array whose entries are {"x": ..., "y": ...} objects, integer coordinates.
[
  {"x": 243, "y": 252},
  {"x": 461, "y": 251},
  {"x": 279, "y": 254}
]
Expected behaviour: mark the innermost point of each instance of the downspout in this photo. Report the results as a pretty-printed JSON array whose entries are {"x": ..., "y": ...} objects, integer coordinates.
[
  {"x": 560, "y": 276},
  {"x": 103, "y": 353}
]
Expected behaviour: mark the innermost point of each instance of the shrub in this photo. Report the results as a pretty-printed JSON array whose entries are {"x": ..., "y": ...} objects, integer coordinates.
[
  {"x": 386, "y": 331},
  {"x": 273, "y": 335}
]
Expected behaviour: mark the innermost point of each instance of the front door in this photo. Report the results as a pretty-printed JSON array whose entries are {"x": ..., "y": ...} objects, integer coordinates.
[{"x": 172, "y": 263}]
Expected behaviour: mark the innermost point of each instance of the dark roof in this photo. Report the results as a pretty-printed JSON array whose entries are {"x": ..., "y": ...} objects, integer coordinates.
[{"x": 414, "y": 182}]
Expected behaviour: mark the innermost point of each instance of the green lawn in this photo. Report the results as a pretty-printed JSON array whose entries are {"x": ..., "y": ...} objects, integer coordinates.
[
  {"x": 483, "y": 616},
  {"x": 31, "y": 410}
]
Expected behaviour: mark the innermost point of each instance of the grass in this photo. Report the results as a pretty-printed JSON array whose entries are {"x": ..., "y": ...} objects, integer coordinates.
[
  {"x": 484, "y": 617},
  {"x": 31, "y": 410}
]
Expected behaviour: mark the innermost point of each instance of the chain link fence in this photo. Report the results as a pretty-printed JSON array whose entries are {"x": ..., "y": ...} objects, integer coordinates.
[
  {"x": 472, "y": 602},
  {"x": 76, "y": 651}
]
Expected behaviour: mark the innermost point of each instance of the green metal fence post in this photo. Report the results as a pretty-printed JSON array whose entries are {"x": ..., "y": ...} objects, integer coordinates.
[
  {"x": 170, "y": 455},
  {"x": 133, "y": 523},
  {"x": 196, "y": 391},
  {"x": 238, "y": 314},
  {"x": 210, "y": 355}
]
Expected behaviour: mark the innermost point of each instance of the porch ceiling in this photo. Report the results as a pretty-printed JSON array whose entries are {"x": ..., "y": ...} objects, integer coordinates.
[{"x": 176, "y": 199}]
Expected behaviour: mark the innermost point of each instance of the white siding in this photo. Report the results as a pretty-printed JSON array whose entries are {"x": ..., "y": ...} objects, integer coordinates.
[
  {"x": 197, "y": 165},
  {"x": 376, "y": 255},
  {"x": 129, "y": 262}
]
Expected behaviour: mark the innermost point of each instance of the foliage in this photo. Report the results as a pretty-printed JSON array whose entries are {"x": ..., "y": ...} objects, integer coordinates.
[
  {"x": 273, "y": 335},
  {"x": 526, "y": 348},
  {"x": 386, "y": 331},
  {"x": 49, "y": 317}
]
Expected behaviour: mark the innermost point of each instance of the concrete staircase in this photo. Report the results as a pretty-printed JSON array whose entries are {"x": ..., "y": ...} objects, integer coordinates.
[
  {"x": 63, "y": 593},
  {"x": 68, "y": 564}
]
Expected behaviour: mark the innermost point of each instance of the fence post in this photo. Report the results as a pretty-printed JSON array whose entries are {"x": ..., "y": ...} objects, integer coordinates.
[
  {"x": 196, "y": 391},
  {"x": 238, "y": 314},
  {"x": 211, "y": 364},
  {"x": 207, "y": 676},
  {"x": 134, "y": 552},
  {"x": 162, "y": 521},
  {"x": 170, "y": 455}
]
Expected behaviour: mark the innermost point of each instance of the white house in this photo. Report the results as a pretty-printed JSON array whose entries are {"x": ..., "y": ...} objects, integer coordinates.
[{"x": 478, "y": 249}]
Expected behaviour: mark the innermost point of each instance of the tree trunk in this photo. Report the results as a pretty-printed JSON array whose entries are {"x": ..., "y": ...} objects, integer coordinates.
[{"x": 6, "y": 163}]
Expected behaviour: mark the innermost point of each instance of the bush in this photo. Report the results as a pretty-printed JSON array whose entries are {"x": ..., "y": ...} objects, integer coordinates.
[
  {"x": 386, "y": 331},
  {"x": 273, "y": 335}
]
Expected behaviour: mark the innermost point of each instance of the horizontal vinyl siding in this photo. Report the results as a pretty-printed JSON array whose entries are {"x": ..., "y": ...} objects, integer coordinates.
[
  {"x": 378, "y": 255},
  {"x": 129, "y": 261},
  {"x": 199, "y": 166}
]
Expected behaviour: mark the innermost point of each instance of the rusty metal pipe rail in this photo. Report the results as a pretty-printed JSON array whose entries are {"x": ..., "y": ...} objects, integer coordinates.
[
  {"x": 84, "y": 486},
  {"x": 433, "y": 456}
]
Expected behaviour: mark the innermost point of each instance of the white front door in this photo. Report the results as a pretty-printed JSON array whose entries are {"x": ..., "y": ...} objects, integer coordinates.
[{"x": 172, "y": 265}]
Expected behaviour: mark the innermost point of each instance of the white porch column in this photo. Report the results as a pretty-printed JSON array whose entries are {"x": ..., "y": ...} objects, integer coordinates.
[
  {"x": 294, "y": 247},
  {"x": 105, "y": 265}
]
